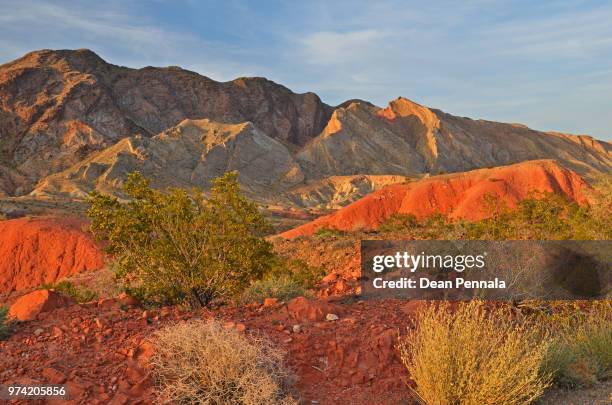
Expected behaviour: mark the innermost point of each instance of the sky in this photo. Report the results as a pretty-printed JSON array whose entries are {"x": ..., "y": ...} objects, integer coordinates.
[{"x": 546, "y": 64}]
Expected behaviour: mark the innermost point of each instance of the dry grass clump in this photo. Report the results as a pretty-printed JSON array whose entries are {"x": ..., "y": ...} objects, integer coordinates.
[
  {"x": 474, "y": 356},
  {"x": 200, "y": 362},
  {"x": 581, "y": 353}
]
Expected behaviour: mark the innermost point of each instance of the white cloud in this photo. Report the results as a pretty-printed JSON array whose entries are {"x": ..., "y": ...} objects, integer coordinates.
[{"x": 331, "y": 48}]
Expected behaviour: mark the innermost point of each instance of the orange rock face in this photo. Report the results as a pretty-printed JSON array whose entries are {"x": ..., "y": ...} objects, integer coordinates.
[
  {"x": 44, "y": 250},
  {"x": 460, "y": 195},
  {"x": 27, "y": 307}
]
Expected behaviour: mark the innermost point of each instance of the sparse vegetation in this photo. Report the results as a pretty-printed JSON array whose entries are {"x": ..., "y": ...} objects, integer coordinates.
[
  {"x": 328, "y": 233},
  {"x": 180, "y": 247},
  {"x": 80, "y": 294},
  {"x": 6, "y": 325},
  {"x": 287, "y": 279},
  {"x": 581, "y": 352},
  {"x": 399, "y": 223},
  {"x": 474, "y": 356},
  {"x": 543, "y": 216},
  {"x": 283, "y": 287},
  {"x": 200, "y": 362}
]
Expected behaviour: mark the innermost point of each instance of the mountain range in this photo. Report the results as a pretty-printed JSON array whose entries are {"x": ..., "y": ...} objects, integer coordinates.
[{"x": 71, "y": 123}]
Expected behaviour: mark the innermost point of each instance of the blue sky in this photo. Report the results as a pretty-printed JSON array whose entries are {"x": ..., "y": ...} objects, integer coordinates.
[{"x": 547, "y": 64}]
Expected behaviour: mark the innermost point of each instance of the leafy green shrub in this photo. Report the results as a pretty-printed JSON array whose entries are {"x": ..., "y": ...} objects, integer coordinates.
[
  {"x": 472, "y": 356},
  {"x": 176, "y": 247},
  {"x": 328, "y": 233},
  {"x": 283, "y": 287},
  {"x": 288, "y": 278},
  {"x": 79, "y": 294},
  {"x": 200, "y": 362},
  {"x": 6, "y": 325},
  {"x": 301, "y": 272}
]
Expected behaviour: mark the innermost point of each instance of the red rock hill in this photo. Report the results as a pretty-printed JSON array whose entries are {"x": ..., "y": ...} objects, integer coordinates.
[
  {"x": 458, "y": 195},
  {"x": 44, "y": 250}
]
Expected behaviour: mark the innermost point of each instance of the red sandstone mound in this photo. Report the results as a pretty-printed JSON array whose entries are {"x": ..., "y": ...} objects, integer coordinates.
[
  {"x": 34, "y": 251},
  {"x": 458, "y": 195}
]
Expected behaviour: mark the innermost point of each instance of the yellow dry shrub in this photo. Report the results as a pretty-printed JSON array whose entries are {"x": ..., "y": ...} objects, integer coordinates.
[
  {"x": 200, "y": 362},
  {"x": 474, "y": 356}
]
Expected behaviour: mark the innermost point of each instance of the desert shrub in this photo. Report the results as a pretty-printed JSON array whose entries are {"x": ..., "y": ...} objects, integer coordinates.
[
  {"x": 287, "y": 278},
  {"x": 399, "y": 223},
  {"x": 325, "y": 233},
  {"x": 6, "y": 325},
  {"x": 283, "y": 287},
  {"x": 543, "y": 216},
  {"x": 301, "y": 272},
  {"x": 180, "y": 247},
  {"x": 80, "y": 294},
  {"x": 200, "y": 362},
  {"x": 473, "y": 356},
  {"x": 581, "y": 351}
]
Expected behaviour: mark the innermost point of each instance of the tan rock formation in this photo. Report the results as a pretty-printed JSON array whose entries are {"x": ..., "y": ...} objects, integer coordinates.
[
  {"x": 406, "y": 138},
  {"x": 71, "y": 123},
  {"x": 58, "y": 107}
]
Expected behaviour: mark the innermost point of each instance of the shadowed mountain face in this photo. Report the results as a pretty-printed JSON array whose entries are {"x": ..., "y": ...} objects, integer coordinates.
[
  {"x": 58, "y": 107},
  {"x": 70, "y": 123}
]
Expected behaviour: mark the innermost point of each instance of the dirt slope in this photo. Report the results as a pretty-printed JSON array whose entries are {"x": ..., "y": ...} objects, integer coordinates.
[
  {"x": 459, "y": 195},
  {"x": 44, "y": 250}
]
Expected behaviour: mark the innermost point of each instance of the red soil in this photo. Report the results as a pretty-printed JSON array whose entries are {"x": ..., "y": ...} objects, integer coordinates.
[
  {"x": 459, "y": 195},
  {"x": 43, "y": 250},
  {"x": 100, "y": 349}
]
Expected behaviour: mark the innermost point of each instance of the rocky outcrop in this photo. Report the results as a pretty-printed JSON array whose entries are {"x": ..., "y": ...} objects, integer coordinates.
[
  {"x": 189, "y": 154},
  {"x": 338, "y": 191},
  {"x": 35, "y": 251},
  {"x": 71, "y": 122},
  {"x": 459, "y": 195},
  {"x": 407, "y": 139},
  {"x": 58, "y": 107}
]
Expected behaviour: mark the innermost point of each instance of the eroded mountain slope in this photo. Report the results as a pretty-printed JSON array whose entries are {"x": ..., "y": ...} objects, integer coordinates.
[{"x": 457, "y": 195}]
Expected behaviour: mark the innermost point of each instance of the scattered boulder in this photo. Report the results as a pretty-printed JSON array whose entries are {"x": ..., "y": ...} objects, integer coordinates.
[
  {"x": 270, "y": 302},
  {"x": 304, "y": 310},
  {"x": 331, "y": 317},
  {"x": 29, "y": 306},
  {"x": 128, "y": 300},
  {"x": 54, "y": 376}
]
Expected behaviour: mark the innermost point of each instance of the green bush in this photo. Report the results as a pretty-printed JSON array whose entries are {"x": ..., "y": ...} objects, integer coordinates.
[
  {"x": 180, "y": 247},
  {"x": 288, "y": 278},
  {"x": 79, "y": 294},
  {"x": 328, "y": 233},
  {"x": 6, "y": 325},
  {"x": 399, "y": 223},
  {"x": 283, "y": 287}
]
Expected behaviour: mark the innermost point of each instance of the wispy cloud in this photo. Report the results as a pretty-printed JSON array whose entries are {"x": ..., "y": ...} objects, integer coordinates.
[{"x": 547, "y": 64}]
